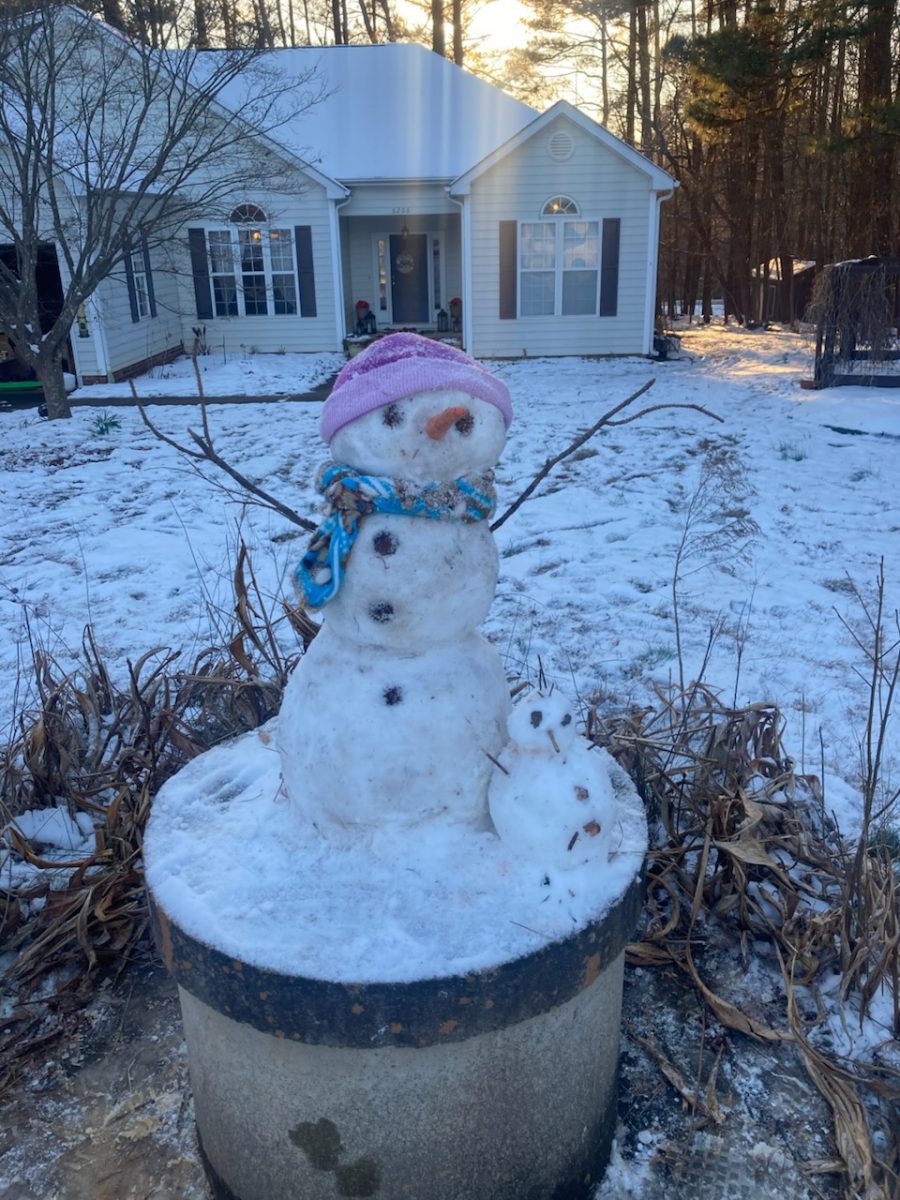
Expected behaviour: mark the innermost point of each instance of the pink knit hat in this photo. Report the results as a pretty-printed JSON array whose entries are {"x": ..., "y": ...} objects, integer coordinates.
[{"x": 400, "y": 365}]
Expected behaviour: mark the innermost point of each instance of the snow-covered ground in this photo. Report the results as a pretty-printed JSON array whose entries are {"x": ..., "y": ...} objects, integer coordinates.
[
  {"x": 117, "y": 530},
  {"x": 239, "y": 375}
]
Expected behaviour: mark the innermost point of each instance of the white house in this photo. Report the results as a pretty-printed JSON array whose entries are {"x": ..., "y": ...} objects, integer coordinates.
[{"x": 428, "y": 194}]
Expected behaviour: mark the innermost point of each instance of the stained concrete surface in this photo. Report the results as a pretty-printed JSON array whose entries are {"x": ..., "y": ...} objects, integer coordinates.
[{"x": 108, "y": 1116}]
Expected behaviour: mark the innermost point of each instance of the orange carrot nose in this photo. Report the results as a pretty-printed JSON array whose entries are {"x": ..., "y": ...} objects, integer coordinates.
[{"x": 438, "y": 425}]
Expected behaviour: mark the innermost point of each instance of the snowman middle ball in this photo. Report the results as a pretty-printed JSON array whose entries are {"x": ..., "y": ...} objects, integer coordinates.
[
  {"x": 394, "y": 714},
  {"x": 414, "y": 583}
]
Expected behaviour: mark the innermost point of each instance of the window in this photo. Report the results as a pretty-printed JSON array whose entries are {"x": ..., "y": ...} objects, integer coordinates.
[
  {"x": 436, "y": 270},
  {"x": 248, "y": 214},
  {"x": 382, "y": 274},
  {"x": 559, "y": 264},
  {"x": 252, "y": 269},
  {"x": 284, "y": 281},
  {"x": 221, "y": 269},
  {"x": 139, "y": 280},
  {"x": 253, "y": 272},
  {"x": 560, "y": 206},
  {"x": 139, "y": 277}
]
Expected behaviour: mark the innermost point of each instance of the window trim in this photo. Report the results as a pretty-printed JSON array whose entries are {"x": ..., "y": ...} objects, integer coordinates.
[
  {"x": 243, "y": 229},
  {"x": 558, "y": 223},
  {"x": 139, "y": 278},
  {"x": 549, "y": 213}
]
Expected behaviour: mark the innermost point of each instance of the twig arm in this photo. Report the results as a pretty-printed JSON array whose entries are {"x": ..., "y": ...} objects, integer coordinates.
[
  {"x": 272, "y": 501},
  {"x": 207, "y": 453},
  {"x": 606, "y": 419},
  {"x": 707, "y": 412},
  {"x": 579, "y": 441},
  {"x": 158, "y": 433}
]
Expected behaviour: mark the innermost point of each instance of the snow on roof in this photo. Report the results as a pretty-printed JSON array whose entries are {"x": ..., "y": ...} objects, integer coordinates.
[{"x": 395, "y": 111}]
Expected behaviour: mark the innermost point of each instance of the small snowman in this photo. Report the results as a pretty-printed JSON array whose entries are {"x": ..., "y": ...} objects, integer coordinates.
[
  {"x": 551, "y": 800},
  {"x": 395, "y": 712}
]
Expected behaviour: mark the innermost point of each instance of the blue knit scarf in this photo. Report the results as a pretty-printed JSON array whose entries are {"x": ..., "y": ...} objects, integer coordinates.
[{"x": 351, "y": 495}]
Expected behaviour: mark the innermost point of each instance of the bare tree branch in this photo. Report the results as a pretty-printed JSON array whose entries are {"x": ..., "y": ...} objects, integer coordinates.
[
  {"x": 606, "y": 419},
  {"x": 208, "y": 453},
  {"x": 106, "y": 141}
]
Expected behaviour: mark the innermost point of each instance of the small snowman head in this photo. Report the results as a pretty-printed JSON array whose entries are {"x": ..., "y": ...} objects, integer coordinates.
[
  {"x": 413, "y": 408},
  {"x": 542, "y": 724}
]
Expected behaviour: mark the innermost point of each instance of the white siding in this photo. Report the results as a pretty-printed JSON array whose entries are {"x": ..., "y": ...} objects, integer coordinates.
[
  {"x": 271, "y": 334},
  {"x": 130, "y": 342},
  {"x": 89, "y": 358},
  {"x": 398, "y": 199},
  {"x": 516, "y": 188}
]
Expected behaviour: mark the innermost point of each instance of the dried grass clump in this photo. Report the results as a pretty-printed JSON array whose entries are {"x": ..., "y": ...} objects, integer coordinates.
[
  {"x": 744, "y": 846},
  {"x": 94, "y": 746}
]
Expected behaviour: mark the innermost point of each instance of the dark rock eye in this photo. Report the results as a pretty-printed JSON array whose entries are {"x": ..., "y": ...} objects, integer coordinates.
[
  {"x": 567, "y": 719},
  {"x": 385, "y": 543},
  {"x": 536, "y": 717},
  {"x": 466, "y": 424},
  {"x": 392, "y": 696},
  {"x": 381, "y": 612},
  {"x": 392, "y": 416}
]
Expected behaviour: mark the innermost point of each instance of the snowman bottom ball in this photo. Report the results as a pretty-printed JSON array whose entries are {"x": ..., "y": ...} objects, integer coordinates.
[{"x": 369, "y": 738}]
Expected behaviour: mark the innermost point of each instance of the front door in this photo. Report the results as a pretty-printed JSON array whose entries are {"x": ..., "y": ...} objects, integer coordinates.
[{"x": 409, "y": 278}]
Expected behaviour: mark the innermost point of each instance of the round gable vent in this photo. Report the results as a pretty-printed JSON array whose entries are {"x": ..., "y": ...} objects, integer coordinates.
[{"x": 560, "y": 146}]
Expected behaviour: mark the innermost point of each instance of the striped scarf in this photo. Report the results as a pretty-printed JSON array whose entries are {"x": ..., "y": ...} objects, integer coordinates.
[{"x": 351, "y": 495}]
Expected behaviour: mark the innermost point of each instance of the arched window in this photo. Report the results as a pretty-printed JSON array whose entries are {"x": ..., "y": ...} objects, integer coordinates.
[
  {"x": 560, "y": 206},
  {"x": 248, "y": 214}
]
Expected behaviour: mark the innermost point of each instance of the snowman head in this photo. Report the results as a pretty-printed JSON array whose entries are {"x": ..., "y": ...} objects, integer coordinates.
[
  {"x": 416, "y": 409},
  {"x": 542, "y": 724}
]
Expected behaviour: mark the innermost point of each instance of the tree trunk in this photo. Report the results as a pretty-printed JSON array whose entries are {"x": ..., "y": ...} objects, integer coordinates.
[
  {"x": 457, "y": 33},
  {"x": 643, "y": 83},
  {"x": 201, "y": 25},
  {"x": 49, "y": 370},
  {"x": 337, "y": 22},
  {"x": 631, "y": 83},
  {"x": 437, "y": 27}
]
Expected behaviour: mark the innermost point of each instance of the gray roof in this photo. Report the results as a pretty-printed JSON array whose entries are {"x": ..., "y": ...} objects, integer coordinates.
[{"x": 396, "y": 111}]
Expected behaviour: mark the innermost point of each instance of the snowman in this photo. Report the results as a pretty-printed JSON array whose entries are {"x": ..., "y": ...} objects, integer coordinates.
[
  {"x": 396, "y": 712},
  {"x": 551, "y": 800}
]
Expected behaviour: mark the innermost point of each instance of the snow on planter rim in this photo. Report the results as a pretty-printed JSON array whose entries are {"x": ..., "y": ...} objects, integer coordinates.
[{"x": 229, "y": 861}]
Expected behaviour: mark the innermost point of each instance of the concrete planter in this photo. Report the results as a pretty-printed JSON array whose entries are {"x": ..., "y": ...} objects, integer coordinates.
[{"x": 497, "y": 1085}]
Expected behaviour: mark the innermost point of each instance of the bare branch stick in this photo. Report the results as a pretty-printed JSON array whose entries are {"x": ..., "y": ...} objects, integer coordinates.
[
  {"x": 606, "y": 419},
  {"x": 707, "y": 412},
  {"x": 579, "y": 441},
  {"x": 208, "y": 453},
  {"x": 288, "y": 513},
  {"x": 157, "y": 433}
]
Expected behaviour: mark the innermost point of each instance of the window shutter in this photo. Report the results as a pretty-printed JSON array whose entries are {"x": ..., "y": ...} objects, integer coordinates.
[
  {"x": 609, "y": 268},
  {"x": 129, "y": 279},
  {"x": 508, "y": 250},
  {"x": 200, "y": 271},
  {"x": 306, "y": 276},
  {"x": 151, "y": 295}
]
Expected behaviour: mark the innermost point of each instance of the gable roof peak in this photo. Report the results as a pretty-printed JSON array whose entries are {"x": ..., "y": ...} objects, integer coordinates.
[{"x": 658, "y": 179}]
